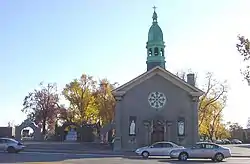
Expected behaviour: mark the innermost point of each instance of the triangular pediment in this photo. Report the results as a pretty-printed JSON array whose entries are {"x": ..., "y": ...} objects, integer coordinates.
[{"x": 163, "y": 73}]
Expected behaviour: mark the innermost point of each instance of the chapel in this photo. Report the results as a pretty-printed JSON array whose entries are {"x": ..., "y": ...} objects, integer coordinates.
[{"x": 157, "y": 105}]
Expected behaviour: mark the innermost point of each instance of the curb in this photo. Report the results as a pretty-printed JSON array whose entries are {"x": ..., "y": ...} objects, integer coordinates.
[{"x": 240, "y": 156}]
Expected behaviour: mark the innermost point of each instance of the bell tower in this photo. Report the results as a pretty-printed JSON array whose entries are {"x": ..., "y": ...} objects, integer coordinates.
[{"x": 155, "y": 45}]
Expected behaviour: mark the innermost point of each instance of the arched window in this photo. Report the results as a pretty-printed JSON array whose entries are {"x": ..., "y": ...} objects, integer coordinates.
[
  {"x": 150, "y": 52},
  {"x": 156, "y": 51}
]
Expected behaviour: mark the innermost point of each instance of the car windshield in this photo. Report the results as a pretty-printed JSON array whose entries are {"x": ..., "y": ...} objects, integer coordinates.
[
  {"x": 11, "y": 140},
  {"x": 163, "y": 144}
]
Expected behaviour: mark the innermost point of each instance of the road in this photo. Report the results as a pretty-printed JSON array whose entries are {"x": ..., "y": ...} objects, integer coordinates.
[
  {"x": 241, "y": 150},
  {"x": 56, "y": 158}
]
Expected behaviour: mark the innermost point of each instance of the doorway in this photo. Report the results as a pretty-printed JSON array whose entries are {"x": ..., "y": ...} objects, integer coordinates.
[{"x": 158, "y": 132}]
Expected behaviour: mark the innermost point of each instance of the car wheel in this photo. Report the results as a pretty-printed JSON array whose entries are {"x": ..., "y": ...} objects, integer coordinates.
[
  {"x": 145, "y": 154},
  {"x": 183, "y": 156},
  {"x": 219, "y": 157},
  {"x": 11, "y": 149}
]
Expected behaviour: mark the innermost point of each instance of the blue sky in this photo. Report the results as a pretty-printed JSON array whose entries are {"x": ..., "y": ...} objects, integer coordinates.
[{"x": 57, "y": 41}]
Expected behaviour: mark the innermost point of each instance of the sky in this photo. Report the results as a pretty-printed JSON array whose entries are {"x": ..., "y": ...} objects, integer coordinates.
[{"x": 57, "y": 41}]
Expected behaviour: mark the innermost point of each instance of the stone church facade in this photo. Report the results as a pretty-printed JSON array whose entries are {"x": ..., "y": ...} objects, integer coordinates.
[{"x": 157, "y": 105}]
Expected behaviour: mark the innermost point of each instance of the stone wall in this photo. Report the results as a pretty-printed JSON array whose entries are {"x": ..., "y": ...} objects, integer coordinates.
[{"x": 6, "y": 131}]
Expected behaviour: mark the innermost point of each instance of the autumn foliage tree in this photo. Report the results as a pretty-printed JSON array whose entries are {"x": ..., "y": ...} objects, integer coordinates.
[
  {"x": 105, "y": 101},
  {"x": 82, "y": 102},
  {"x": 211, "y": 107},
  {"x": 41, "y": 106},
  {"x": 90, "y": 101}
]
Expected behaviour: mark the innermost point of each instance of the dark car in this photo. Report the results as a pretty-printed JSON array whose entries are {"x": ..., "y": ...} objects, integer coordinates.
[
  {"x": 236, "y": 141},
  {"x": 226, "y": 141}
]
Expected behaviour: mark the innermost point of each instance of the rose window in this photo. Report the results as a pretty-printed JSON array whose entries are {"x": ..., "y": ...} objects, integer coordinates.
[{"x": 157, "y": 99}]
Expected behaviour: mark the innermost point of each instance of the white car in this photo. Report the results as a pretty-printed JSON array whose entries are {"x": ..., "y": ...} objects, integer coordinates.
[
  {"x": 158, "y": 149},
  {"x": 10, "y": 145}
]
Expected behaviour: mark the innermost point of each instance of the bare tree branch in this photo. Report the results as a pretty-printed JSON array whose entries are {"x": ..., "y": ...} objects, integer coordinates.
[
  {"x": 215, "y": 91},
  {"x": 243, "y": 48}
]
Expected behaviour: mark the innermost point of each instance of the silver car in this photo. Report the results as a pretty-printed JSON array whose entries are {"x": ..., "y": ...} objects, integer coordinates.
[
  {"x": 236, "y": 141},
  {"x": 204, "y": 150},
  {"x": 10, "y": 145},
  {"x": 158, "y": 149}
]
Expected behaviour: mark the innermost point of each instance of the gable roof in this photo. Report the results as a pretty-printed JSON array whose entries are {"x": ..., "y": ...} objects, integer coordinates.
[{"x": 163, "y": 73}]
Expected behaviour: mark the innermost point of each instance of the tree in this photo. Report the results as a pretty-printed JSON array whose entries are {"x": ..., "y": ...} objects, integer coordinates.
[
  {"x": 105, "y": 101},
  {"x": 68, "y": 115},
  {"x": 243, "y": 48},
  {"x": 214, "y": 91},
  {"x": 212, "y": 126},
  {"x": 82, "y": 102},
  {"x": 211, "y": 106},
  {"x": 236, "y": 130},
  {"x": 215, "y": 119},
  {"x": 41, "y": 106},
  {"x": 234, "y": 126},
  {"x": 248, "y": 123},
  {"x": 183, "y": 75},
  {"x": 222, "y": 132}
]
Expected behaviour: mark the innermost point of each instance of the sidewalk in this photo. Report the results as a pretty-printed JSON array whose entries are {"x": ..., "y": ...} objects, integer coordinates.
[{"x": 240, "y": 151}]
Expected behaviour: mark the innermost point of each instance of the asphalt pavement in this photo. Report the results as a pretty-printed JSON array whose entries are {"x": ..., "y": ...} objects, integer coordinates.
[
  {"x": 56, "y": 158},
  {"x": 242, "y": 150}
]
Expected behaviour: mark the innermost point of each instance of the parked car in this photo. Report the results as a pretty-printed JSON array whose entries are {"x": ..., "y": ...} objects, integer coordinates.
[
  {"x": 218, "y": 141},
  {"x": 27, "y": 138},
  {"x": 226, "y": 141},
  {"x": 158, "y": 149},
  {"x": 236, "y": 141},
  {"x": 207, "y": 140},
  {"x": 10, "y": 145},
  {"x": 203, "y": 150}
]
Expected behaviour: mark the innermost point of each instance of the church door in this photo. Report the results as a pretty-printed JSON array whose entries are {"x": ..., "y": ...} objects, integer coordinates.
[{"x": 157, "y": 134}]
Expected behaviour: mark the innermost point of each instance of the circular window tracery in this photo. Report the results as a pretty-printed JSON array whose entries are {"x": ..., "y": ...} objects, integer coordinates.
[{"x": 157, "y": 99}]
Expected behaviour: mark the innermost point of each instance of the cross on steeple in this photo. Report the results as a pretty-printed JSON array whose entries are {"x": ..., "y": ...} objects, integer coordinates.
[
  {"x": 154, "y": 8},
  {"x": 154, "y": 16}
]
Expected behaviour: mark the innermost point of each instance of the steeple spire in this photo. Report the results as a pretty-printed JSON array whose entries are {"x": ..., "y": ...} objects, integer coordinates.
[
  {"x": 155, "y": 45},
  {"x": 154, "y": 15}
]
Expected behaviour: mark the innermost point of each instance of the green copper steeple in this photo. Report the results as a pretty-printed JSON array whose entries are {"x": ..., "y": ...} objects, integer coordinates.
[{"x": 155, "y": 45}]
